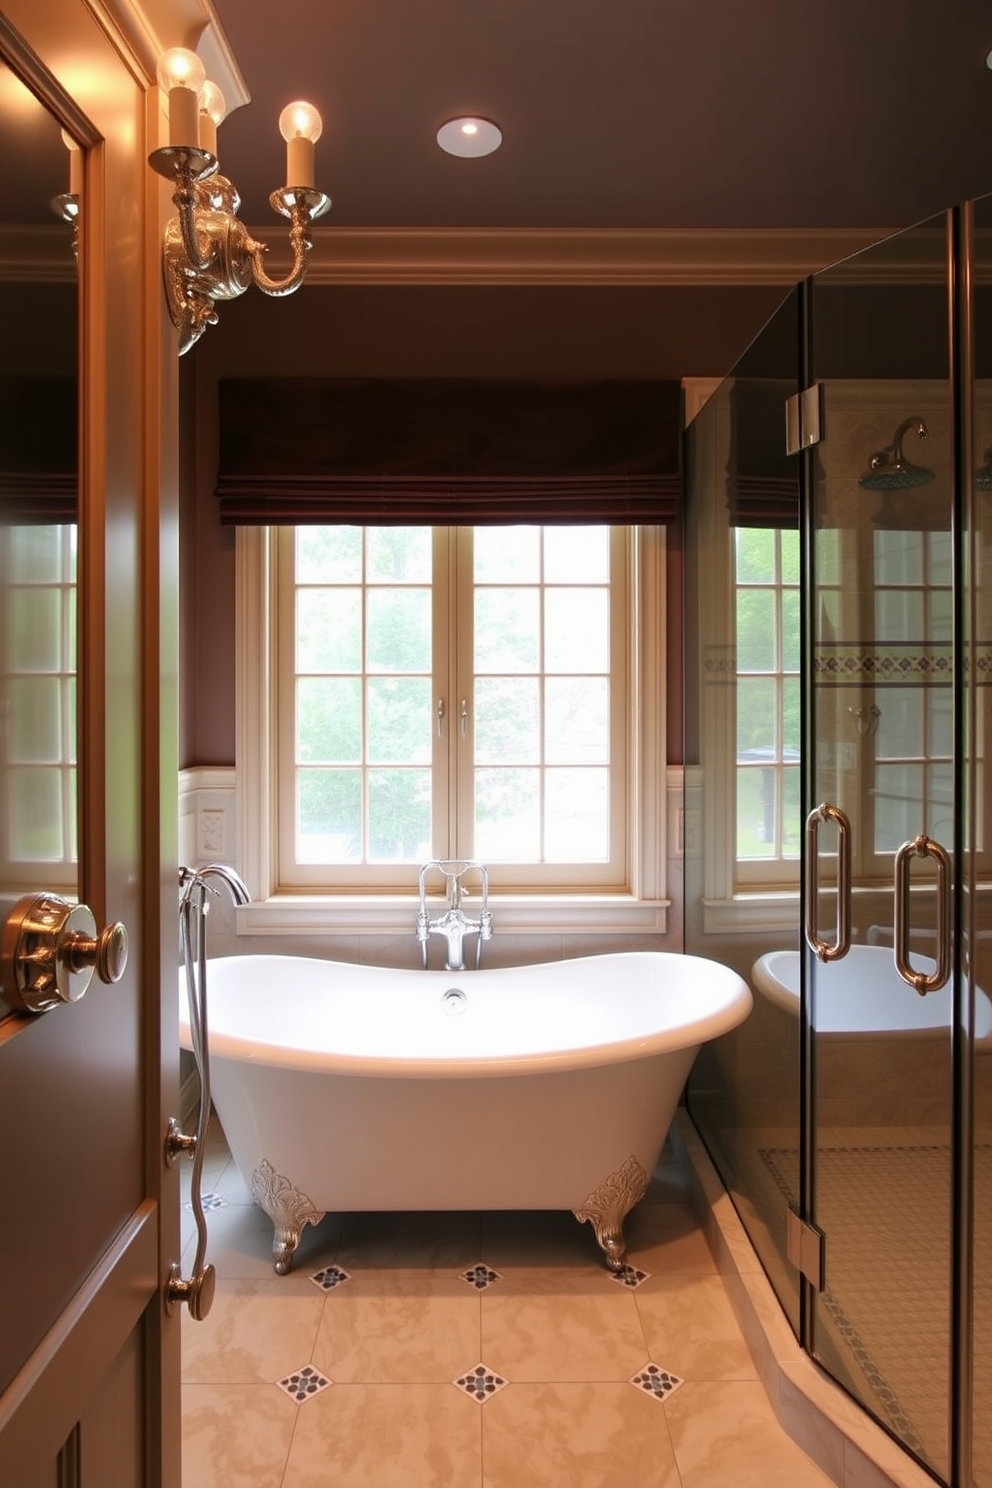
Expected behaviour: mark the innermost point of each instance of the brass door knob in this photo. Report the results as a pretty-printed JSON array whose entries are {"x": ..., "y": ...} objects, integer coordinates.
[{"x": 49, "y": 950}]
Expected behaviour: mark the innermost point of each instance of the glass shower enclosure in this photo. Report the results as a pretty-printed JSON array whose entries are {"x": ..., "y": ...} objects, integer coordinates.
[{"x": 839, "y": 635}]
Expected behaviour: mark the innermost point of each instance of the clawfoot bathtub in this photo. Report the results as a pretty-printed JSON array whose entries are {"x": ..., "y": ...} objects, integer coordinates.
[{"x": 346, "y": 1087}]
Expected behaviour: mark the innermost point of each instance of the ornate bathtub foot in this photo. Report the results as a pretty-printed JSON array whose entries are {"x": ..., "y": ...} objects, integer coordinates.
[
  {"x": 288, "y": 1209},
  {"x": 608, "y": 1206}
]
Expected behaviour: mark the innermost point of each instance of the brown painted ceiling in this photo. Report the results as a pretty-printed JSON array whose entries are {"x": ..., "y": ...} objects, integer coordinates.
[
  {"x": 621, "y": 113},
  {"x": 616, "y": 115}
]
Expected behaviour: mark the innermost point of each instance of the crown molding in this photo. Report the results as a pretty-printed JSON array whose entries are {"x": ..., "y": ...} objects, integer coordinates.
[
  {"x": 572, "y": 256},
  {"x": 149, "y": 27},
  {"x": 36, "y": 254},
  {"x": 569, "y": 256}
]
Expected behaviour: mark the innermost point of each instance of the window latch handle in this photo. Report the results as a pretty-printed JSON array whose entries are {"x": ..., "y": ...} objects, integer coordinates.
[
  {"x": 464, "y": 718},
  {"x": 440, "y": 718}
]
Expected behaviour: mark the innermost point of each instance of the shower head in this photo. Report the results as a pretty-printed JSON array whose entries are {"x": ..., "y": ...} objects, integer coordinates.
[{"x": 889, "y": 470}]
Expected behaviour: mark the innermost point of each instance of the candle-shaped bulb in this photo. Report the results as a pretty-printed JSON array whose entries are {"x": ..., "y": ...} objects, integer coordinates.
[
  {"x": 300, "y": 126},
  {"x": 213, "y": 111},
  {"x": 182, "y": 75}
]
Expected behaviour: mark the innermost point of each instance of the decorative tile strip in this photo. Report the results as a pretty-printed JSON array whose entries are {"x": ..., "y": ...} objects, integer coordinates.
[
  {"x": 656, "y": 1382},
  {"x": 330, "y": 1277},
  {"x": 481, "y": 1383},
  {"x": 895, "y": 664},
  {"x": 720, "y": 664},
  {"x": 304, "y": 1384},
  {"x": 630, "y": 1276},
  {"x": 480, "y": 1277}
]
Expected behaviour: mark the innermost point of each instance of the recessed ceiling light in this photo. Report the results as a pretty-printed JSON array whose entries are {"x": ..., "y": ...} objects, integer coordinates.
[{"x": 469, "y": 137}]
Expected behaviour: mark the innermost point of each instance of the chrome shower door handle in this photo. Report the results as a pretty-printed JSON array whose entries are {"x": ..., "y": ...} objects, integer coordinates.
[
  {"x": 821, "y": 948},
  {"x": 922, "y": 847}
]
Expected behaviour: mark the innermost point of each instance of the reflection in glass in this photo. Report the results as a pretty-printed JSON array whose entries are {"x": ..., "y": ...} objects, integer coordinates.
[{"x": 40, "y": 193}]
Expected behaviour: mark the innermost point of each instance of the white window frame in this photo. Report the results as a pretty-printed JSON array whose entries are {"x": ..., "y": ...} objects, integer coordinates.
[
  {"x": 57, "y": 873},
  {"x": 638, "y": 906},
  {"x": 730, "y": 906}
]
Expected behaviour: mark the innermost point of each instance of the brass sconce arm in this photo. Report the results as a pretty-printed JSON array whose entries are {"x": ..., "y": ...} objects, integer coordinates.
[{"x": 301, "y": 206}]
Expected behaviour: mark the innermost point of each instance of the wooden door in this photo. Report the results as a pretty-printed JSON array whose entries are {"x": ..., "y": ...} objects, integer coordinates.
[{"x": 89, "y": 1209}]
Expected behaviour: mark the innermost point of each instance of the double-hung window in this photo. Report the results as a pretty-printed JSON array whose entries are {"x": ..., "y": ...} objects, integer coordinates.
[
  {"x": 492, "y": 693},
  {"x": 454, "y": 693},
  {"x": 766, "y": 625}
]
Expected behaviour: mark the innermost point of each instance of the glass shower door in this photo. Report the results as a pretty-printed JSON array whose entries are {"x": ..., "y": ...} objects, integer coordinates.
[
  {"x": 975, "y": 1423},
  {"x": 880, "y": 785}
]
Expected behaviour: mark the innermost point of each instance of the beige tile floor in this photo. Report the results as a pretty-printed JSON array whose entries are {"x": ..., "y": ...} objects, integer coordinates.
[{"x": 563, "y": 1338}]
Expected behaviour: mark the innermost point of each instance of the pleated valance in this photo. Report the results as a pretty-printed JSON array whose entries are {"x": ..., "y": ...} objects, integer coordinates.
[
  {"x": 398, "y": 452},
  {"x": 38, "y": 450},
  {"x": 762, "y": 480}
]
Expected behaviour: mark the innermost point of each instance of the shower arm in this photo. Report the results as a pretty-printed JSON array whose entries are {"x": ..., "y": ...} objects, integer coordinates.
[{"x": 892, "y": 455}]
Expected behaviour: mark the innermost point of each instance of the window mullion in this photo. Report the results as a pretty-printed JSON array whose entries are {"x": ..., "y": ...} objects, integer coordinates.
[
  {"x": 445, "y": 686},
  {"x": 462, "y": 637}
]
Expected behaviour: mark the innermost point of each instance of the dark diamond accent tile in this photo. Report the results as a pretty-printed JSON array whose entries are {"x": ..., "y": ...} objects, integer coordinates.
[
  {"x": 480, "y": 1277},
  {"x": 209, "y": 1201},
  {"x": 304, "y": 1384},
  {"x": 481, "y": 1383},
  {"x": 630, "y": 1276},
  {"x": 656, "y": 1382},
  {"x": 330, "y": 1277}
]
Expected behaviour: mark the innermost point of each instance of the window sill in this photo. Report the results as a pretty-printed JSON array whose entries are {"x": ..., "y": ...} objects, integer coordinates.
[
  {"x": 744, "y": 913},
  {"x": 368, "y": 914}
]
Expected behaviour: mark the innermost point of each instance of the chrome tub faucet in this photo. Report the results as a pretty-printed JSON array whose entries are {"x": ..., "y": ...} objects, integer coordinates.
[{"x": 454, "y": 924}]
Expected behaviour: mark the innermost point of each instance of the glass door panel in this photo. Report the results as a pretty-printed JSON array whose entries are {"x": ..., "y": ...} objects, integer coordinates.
[
  {"x": 977, "y": 916},
  {"x": 742, "y": 807},
  {"x": 880, "y": 546}
]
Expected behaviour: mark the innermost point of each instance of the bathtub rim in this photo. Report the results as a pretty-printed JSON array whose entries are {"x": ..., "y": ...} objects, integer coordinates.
[
  {"x": 781, "y": 995},
  {"x": 734, "y": 1008}
]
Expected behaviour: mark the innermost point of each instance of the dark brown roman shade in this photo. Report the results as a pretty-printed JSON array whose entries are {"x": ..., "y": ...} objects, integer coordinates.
[
  {"x": 38, "y": 450},
  {"x": 396, "y": 452},
  {"x": 762, "y": 480}
]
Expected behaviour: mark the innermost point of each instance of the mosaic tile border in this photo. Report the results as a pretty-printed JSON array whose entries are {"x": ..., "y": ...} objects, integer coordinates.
[{"x": 896, "y": 664}]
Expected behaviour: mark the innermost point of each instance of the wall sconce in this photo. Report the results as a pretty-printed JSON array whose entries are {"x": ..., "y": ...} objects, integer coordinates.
[{"x": 209, "y": 255}]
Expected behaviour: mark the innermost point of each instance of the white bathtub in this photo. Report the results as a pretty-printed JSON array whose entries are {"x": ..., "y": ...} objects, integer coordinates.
[
  {"x": 346, "y": 1087},
  {"x": 864, "y": 994}
]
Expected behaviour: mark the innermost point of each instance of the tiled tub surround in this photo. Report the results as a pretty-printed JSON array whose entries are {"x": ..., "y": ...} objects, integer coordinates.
[{"x": 476, "y": 1350}]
